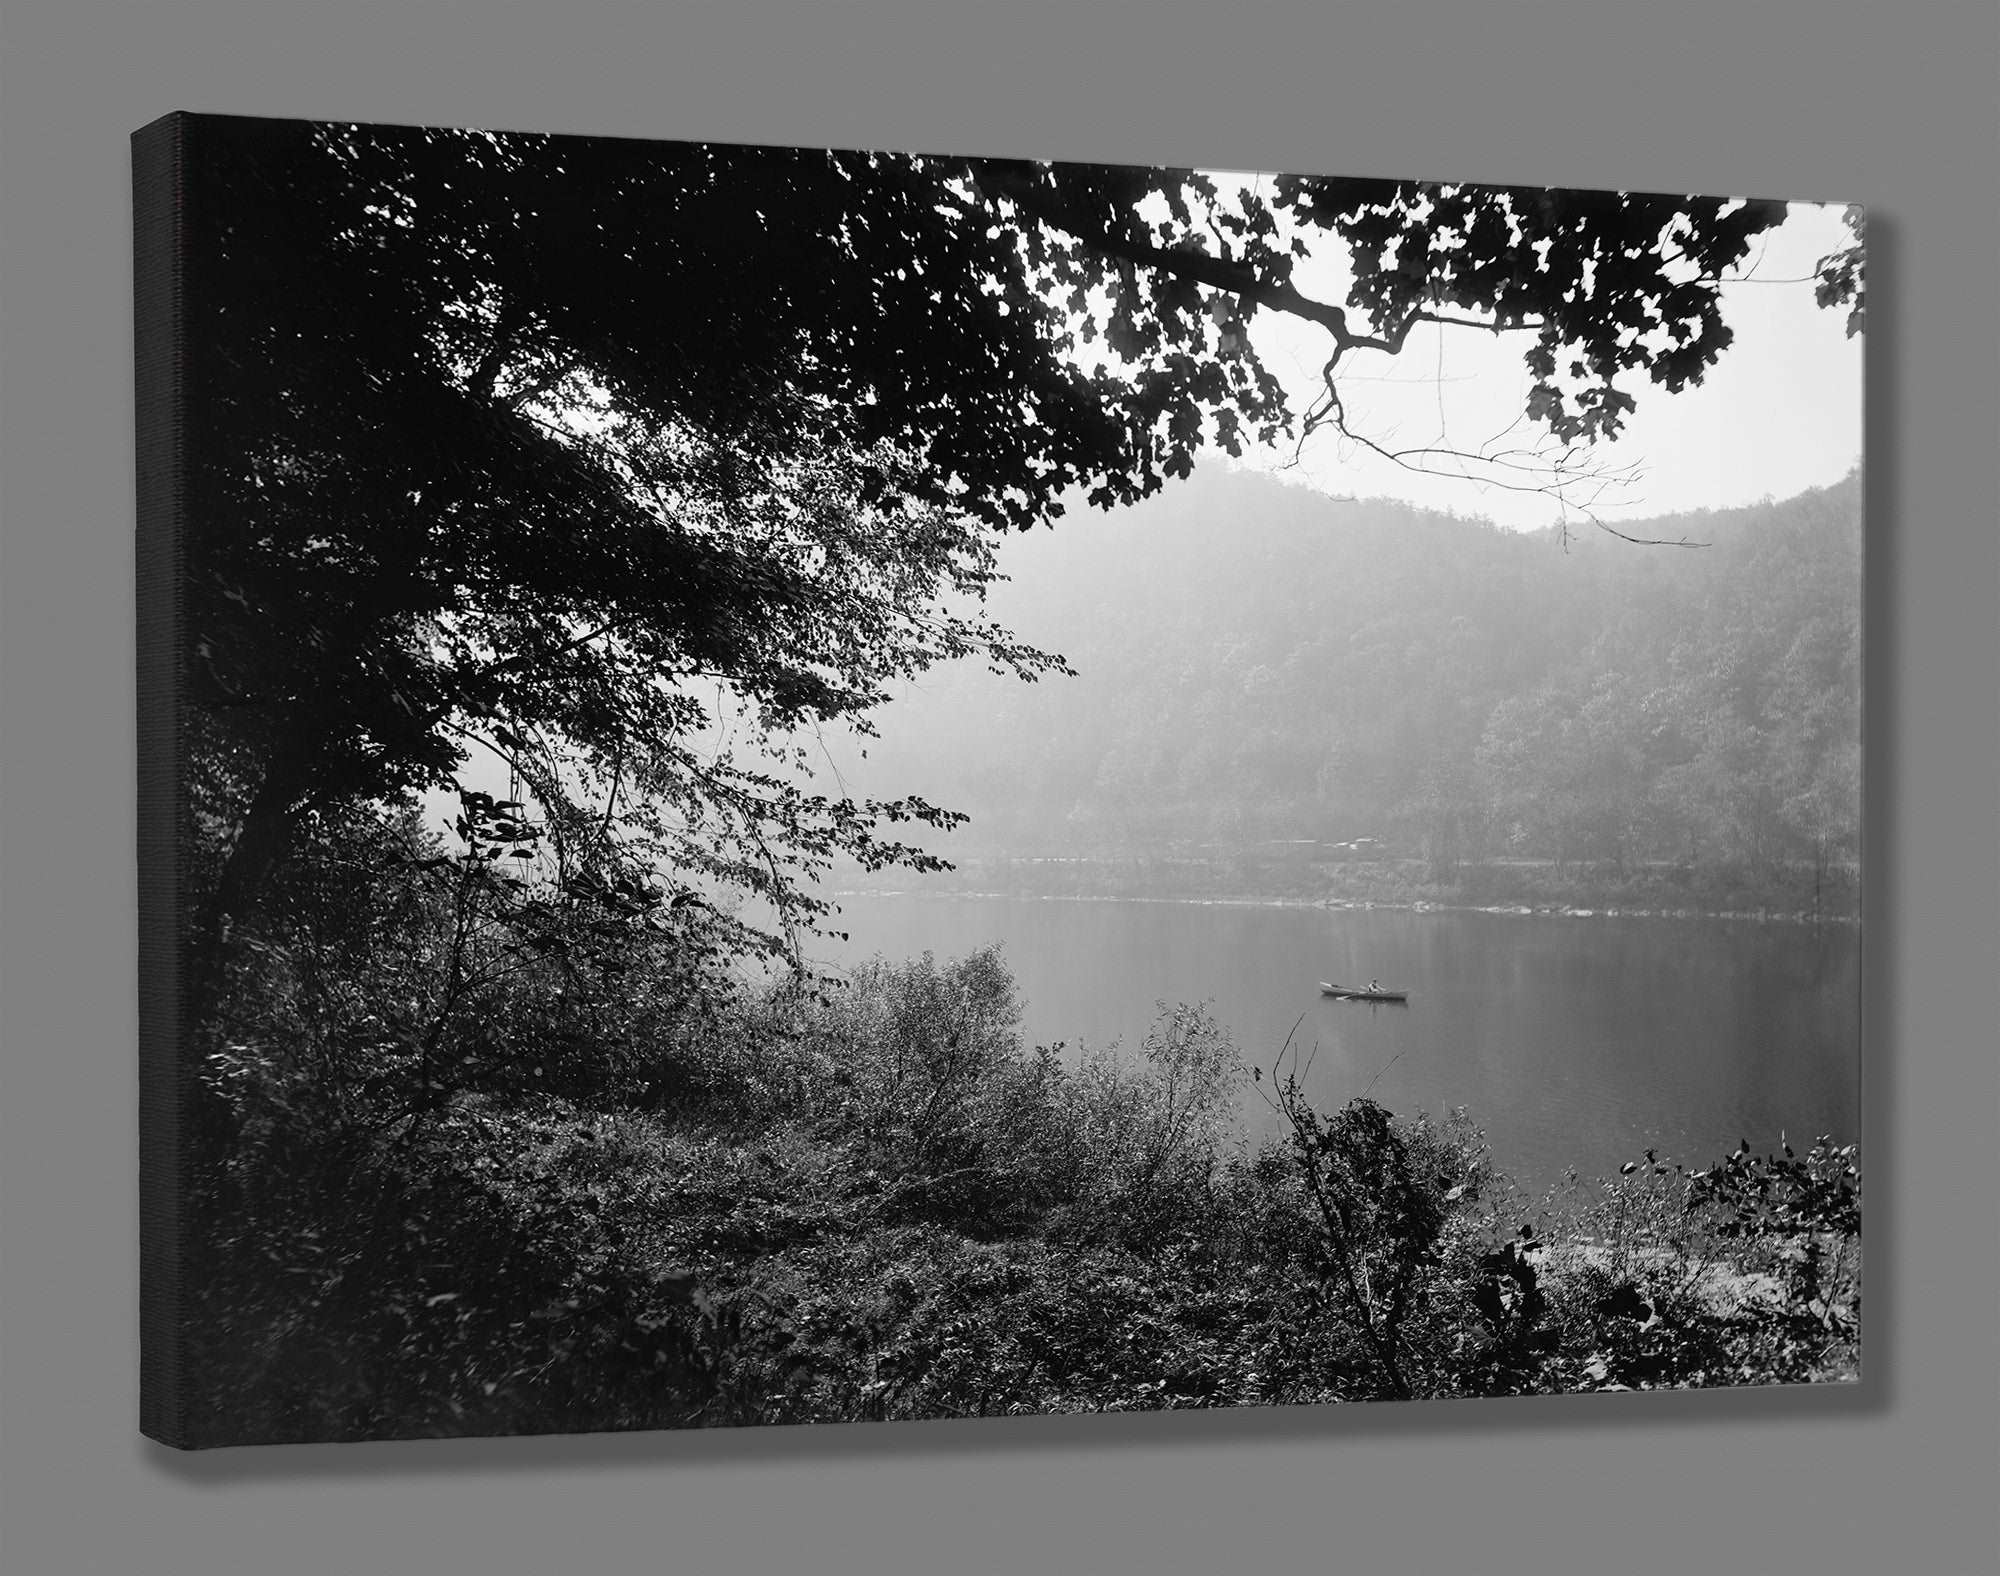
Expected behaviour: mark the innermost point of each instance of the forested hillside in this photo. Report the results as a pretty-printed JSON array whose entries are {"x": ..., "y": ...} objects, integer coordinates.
[{"x": 1266, "y": 672}]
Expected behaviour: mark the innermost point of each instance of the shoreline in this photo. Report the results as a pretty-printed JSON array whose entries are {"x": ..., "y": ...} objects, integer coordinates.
[{"x": 1334, "y": 904}]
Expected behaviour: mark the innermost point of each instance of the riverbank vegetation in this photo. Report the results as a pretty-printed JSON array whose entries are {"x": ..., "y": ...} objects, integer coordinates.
[{"x": 464, "y": 1170}]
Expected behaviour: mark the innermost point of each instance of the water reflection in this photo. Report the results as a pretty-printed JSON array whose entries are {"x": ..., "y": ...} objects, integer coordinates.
[{"x": 1571, "y": 1041}]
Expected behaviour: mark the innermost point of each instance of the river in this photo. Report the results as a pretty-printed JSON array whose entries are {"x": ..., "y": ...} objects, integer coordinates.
[{"x": 1573, "y": 1041}]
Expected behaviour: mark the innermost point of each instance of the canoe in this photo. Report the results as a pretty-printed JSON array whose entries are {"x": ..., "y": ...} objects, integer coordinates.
[{"x": 1344, "y": 994}]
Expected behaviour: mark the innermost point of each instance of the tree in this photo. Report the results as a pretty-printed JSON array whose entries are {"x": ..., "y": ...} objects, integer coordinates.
[
  {"x": 635, "y": 463},
  {"x": 499, "y": 452}
]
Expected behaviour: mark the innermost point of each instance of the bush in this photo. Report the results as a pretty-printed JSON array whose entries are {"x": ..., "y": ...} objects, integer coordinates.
[
  {"x": 1747, "y": 1272},
  {"x": 1150, "y": 1140},
  {"x": 1379, "y": 1193},
  {"x": 914, "y": 1045},
  {"x": 462, "y": 1279}
]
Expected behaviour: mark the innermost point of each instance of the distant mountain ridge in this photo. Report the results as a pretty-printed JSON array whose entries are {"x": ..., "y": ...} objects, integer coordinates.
[{"x": 1260, "y": 664}]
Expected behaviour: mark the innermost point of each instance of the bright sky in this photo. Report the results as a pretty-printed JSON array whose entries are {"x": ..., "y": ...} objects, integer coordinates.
[{"x": 1780, "y": 412}]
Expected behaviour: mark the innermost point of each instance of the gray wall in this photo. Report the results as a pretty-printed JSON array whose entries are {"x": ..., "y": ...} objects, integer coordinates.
[{"x": 1893, "y": 106}]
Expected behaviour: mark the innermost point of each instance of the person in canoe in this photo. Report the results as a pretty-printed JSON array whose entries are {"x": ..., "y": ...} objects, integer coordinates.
[{"x": 1374, "y": 987}]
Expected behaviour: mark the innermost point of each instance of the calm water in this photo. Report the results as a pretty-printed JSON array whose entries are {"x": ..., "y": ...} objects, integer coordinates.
[{"x": 1571, "y": 1041}]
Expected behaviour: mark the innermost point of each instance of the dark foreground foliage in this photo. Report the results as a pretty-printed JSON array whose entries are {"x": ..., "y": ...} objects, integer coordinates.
[{"x": 458, "y": 1182}]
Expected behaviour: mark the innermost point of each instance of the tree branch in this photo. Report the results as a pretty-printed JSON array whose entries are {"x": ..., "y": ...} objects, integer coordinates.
[{"x": 1219, "y": 273}]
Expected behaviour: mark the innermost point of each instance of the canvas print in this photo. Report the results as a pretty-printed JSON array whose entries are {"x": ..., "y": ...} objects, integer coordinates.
[{"x": 790, "y": 785}]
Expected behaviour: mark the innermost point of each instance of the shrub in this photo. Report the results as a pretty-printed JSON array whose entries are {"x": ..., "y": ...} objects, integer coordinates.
[
  {"x": 915, "y": 1044},
  {"x": 1151, "y": 1139},
  {"x": 463, "y": 1278},
  {"x": 1382, "y": 1200},
  {"x": 1746, "y": 1272}
]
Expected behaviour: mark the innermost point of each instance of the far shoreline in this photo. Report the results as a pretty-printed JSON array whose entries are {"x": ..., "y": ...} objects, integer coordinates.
[{"x": 1361, "y": 905}]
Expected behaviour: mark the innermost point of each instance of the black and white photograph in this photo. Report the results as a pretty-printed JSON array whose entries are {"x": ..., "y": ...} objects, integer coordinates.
[{"x": 790, "y": 785}]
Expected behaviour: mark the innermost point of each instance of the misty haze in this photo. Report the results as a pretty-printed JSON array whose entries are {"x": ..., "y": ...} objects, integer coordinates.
[{"x": 1546, "y": 784}]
